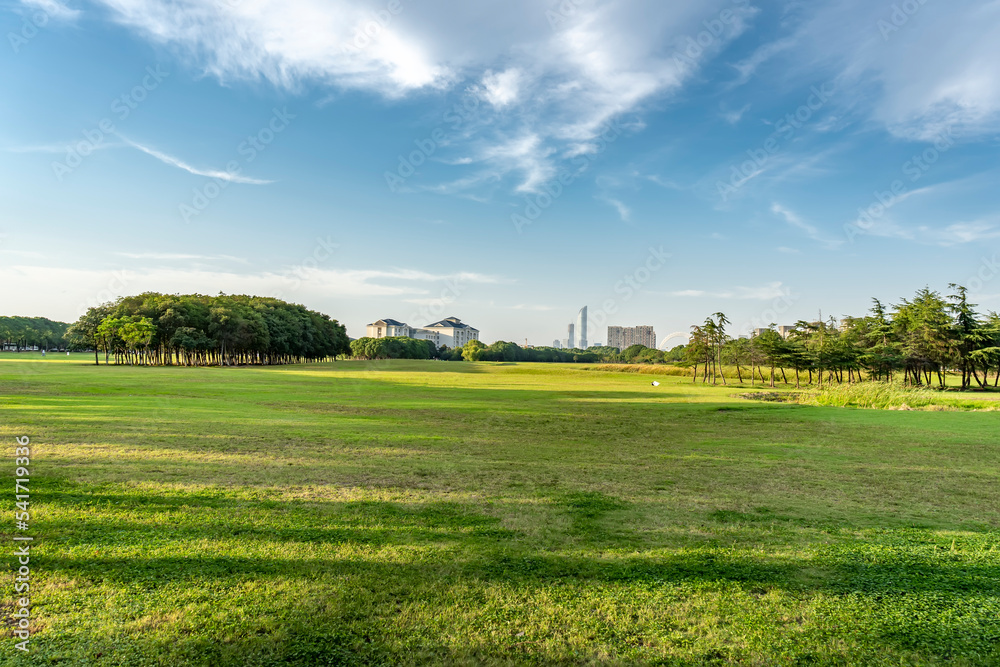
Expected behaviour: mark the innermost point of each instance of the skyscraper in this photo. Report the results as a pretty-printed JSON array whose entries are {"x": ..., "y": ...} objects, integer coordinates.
[
  {"x": 616, "y": 337},
  {"x": 581, "y": 327},
  {"x": 572, "y": 337}
]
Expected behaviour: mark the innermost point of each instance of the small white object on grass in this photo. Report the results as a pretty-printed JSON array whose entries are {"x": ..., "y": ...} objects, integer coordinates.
[{"x": 655, "y": 383}]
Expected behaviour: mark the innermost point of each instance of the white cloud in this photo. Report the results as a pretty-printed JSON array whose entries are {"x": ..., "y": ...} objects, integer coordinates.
[
  {"x": 53, "y": 9},
  {"x": 71, "y": 290},
  {"x": 288, "y": 42},
  {"x": 501, "y": 89},
  {"x": 762, "y": 293},
  {"x": 608, "y": 58},
  {"x": 232, "y": 177},
  {"x": 533, "y": 308},
  {"x": 748, "y": 66},
  {"x": 168, "y": 256},
  {"x": 794, "y": 220},
  {"x": 733, "y": 117},
  {"x": 956, "y": 233},
  {"x": 922, "y": 71},
  {"x": 624, "y": 212}
]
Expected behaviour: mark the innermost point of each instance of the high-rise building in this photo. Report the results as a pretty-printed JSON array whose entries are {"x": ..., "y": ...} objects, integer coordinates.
[
  {"x": 572, "y": 337},
  {"x": 556, "y": 344},
  {"x": 581, "y": 327},
  {"x": 623, "y": 337},
  {"x": 644, "y": 335},
  {"x": 616, "y": 337}
]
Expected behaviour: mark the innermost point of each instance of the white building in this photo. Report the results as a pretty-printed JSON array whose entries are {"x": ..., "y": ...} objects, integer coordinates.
[
  {"x": 388, "y": 328},
  {"x": 450, "y": 332}
]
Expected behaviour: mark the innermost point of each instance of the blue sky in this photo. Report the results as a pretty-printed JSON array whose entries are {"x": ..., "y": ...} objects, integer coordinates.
[{"x": 504, "y": 162}]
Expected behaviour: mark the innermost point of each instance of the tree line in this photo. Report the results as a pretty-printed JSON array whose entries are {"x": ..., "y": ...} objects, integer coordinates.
[
  {"x": 918, "y": 341},
  {"x": 474, "y": 350},
  {"x": 199, "y": 330},
  {"x": 20, "y": 333}
]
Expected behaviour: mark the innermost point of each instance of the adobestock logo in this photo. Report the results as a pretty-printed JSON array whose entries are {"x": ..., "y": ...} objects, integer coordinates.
[
  {"x": 784, "y": 129},
  {"x": 122, "y": 106}
]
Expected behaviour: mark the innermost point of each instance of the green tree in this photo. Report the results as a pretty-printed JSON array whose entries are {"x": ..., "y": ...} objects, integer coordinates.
[{"x": 473, "y": 350}]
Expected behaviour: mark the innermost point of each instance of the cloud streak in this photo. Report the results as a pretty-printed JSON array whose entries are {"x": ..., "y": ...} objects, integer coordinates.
[
  {"x": 209, "y": 173},
  {"x": 763, "y": 293},
  {"x": 794, "y": 220}
]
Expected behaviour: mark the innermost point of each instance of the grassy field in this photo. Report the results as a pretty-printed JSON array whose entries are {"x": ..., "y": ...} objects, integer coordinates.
[{"x": 457, "y": 513}]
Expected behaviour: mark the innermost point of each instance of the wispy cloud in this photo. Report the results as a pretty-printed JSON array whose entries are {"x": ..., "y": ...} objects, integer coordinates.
[
  {"x": 532, "y": 307},
  {"x": 624, "y": 212},
  {"x": 763, "y": 293},
  {"x": 664, "y": 182},
  {"x": 794, "y": 220},
  {"x": 956, "y": 233},
  {"x": 501, "y": 88},
  {"x": 53, "y": 9},
  {"x": 69, "y": 288},
  {"x": 167, "y": 256},
  {"x": 733, "y": 117},
  {"x": 180, "y": 164},
  {"x": 748, "y": 66},
  {"x": 548, "y": 97}
]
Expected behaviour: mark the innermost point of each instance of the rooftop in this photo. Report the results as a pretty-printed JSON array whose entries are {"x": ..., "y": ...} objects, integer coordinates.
[{"x": 449, "y": 323}]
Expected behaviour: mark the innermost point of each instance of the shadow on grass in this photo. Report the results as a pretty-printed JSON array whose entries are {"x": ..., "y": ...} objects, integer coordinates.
[{"x": 355, "y": 598}]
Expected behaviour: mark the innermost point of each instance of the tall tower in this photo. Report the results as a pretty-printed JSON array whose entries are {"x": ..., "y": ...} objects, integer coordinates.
[
  {"x": 572, "y": 338},
  {"x": 581, "y": 327}
]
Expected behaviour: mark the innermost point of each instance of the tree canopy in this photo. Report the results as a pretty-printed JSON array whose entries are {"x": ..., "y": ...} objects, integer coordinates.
[
  {"x": 193, "y": 329},
  {"x": 30, "y": 332},
  {"x": 918, "y": 340}
]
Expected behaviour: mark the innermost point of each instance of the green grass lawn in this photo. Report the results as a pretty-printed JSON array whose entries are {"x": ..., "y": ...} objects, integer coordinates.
[{"x": 456, "y": 513}]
